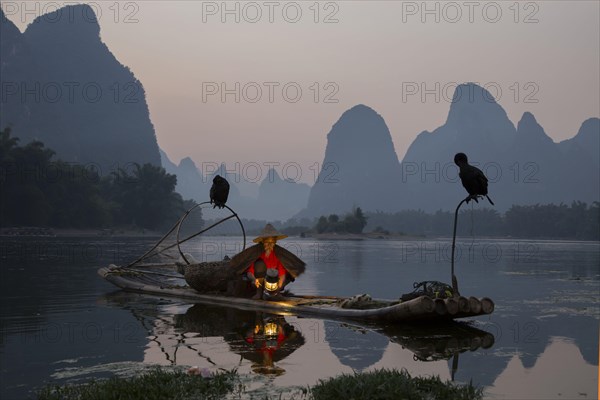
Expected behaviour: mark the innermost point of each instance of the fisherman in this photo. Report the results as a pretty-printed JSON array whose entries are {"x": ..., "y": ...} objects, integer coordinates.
[{"x": 263, "y": 260}]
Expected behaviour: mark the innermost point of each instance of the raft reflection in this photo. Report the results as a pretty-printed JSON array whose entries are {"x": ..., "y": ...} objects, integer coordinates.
[
  {"x": 435, "y": 342},
  {"x": 187, "y": 334}
]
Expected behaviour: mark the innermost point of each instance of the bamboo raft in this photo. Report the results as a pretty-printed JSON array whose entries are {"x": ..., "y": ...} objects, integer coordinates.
[{"x": 422, "y": 308}]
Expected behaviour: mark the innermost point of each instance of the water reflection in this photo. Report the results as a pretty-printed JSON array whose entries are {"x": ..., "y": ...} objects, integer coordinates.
[
  {"x": 306, "y": 349},
  {"x": 263, "y": 339},
  {"x": 355, "y": 347},
  {"x": 54, "y": 330},
  {"x": 180, "y": 334},
  {"x": 434, "y": 342}
]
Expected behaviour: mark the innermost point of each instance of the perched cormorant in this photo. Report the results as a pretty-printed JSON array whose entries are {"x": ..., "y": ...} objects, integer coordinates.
[
  {"x": 219, "y": 191},
  {"x": 472, "y": 178}
]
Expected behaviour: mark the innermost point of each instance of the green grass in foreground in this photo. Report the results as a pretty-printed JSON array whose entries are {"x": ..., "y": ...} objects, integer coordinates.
[
  {"x": 162, "y": 384},
  {"x": 392, "y": 384},
  {"x": 157, "y": 384}
]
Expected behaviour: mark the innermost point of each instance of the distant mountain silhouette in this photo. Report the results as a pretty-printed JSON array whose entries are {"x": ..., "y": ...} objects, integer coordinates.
[
  {"x": 523, "y": 164},
  {"x": 581, "y": 163},
  {"x": 62, "y": 85},
  {"x": 65, "y": 88},
  {"x": 531, "y": 169},
  {"x": 476, "y": 125},
  {"x": 360, "y": 167},
  {"x": 190, "y": 183},
  {"x": 586, "y": 142},
  {"x": 278, "y": 199},
  {"x": 28, "y": 117}
]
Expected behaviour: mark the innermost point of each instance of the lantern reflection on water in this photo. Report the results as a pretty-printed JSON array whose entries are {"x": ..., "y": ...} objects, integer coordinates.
[{"x": 271, "y": 329}]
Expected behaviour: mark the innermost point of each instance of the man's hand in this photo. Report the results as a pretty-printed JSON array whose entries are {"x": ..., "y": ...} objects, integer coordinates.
[{"x": 252, "y": 278}]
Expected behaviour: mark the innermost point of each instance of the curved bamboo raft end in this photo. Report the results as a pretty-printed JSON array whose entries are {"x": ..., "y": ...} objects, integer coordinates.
[
  {"x": 487, "y": 305},
  {"x": 463, "y": 304},
  {"x": 461, "y": 307},
  {"x": 440, "y": 307},
  {"x": 474, "y": 305},
  {"x": 451, "y": 306}
]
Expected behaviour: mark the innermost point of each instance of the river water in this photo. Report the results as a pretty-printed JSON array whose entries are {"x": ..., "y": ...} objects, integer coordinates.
[{"x": 61, "y": 323}]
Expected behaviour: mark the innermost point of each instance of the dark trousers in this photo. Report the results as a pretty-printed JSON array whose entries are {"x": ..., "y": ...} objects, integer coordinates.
[
  {"x": 260, "y": 271},
  {"x": 243, "y": 288}
]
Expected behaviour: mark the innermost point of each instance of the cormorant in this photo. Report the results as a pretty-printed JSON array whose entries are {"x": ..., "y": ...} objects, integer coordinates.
[
  {"x": 219, "y": 191},
  {"x": 472, "y": 178}
]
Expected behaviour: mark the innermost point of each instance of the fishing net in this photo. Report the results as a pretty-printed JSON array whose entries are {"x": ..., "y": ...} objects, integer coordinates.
[{"x": 190, "y": 241}]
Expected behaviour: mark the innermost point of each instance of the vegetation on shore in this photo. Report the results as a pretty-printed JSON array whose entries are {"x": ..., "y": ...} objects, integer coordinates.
[
  {"x": 162, "y": 384},
  {"x": 353, "y": 222},
  {"x": 158, "y": 384},
  {"x": 578, "y": 221},
  {"x": 391, "y": 384},
  {"x": 39, "y": 190}
]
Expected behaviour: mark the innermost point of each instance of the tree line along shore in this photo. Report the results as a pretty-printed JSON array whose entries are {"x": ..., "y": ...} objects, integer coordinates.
[{"x": 69, "y": 200}]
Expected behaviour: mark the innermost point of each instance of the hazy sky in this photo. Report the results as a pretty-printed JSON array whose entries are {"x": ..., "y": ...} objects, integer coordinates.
[{"x": 538, "y": 56}]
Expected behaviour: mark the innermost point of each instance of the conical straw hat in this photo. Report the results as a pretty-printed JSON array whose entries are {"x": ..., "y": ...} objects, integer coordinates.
[{"x": 269, "y": 231}]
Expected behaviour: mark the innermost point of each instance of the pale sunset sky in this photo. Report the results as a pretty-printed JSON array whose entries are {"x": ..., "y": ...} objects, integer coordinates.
[{"x": 537, "y": 56}]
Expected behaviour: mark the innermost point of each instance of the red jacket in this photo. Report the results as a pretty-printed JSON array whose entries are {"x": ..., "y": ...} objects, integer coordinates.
[{"x": 271, "y": 262}]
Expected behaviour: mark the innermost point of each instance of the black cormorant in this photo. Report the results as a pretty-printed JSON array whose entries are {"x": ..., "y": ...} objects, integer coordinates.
[
  {"x": 472, "y": 178},
  {"x": 219, "y": 191}
]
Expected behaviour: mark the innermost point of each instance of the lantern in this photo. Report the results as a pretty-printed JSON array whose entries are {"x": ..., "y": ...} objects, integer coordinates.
[{"x": 272, "y": 283}]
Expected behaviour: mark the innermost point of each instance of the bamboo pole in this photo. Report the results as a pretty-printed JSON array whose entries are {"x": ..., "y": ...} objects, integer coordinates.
[
  {"x": 487, "y": 305},
  {"x": 463, "y": 304},
  {"x": 454, "y": 280},
  {"x": 474, "y": 305},
  {"x": 440, "y": 307},
  {"x": 416, "y": 308},
  {"x": 451, "y": 306}
]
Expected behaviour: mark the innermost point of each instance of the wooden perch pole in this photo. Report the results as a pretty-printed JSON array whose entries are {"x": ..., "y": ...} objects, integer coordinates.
[{"x": 454, "y": 281}]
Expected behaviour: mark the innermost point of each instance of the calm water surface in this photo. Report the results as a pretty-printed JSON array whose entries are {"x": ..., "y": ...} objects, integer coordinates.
[{"x": 60, "y": 322}]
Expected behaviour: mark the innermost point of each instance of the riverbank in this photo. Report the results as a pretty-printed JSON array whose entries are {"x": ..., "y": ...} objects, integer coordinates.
[
  {"x": 71, "y": 232},
  {"x": 161, "y": 383},
  {"x": 364, "y": 236}
]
